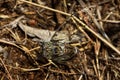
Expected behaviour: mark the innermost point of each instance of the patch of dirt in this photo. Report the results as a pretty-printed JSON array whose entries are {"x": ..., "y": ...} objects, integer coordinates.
[{"x": 59, "y": 40}]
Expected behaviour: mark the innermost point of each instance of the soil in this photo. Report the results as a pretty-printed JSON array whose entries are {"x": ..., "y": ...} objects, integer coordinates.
[{"x": 24, "y": 56}]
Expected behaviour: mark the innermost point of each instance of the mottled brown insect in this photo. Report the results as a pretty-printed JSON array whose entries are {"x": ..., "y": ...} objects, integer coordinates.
[
  {"x": 58, "y": 52},
  {"x": 61, "y": 52}
]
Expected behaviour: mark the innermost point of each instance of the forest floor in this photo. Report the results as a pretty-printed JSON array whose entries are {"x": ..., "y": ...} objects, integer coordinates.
[{"x": 59, "y": 39}]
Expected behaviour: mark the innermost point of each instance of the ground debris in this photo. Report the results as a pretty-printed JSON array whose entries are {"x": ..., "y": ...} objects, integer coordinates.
[{"x": 56, "y": 40}]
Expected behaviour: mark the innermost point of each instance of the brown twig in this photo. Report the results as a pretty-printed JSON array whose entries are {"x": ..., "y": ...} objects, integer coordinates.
[
  {"x": 45, "y": 7},
  {"x": 6, "y": 70},
  {"x": 100, "y": 28},
  {"x": 98, "y": 36}
]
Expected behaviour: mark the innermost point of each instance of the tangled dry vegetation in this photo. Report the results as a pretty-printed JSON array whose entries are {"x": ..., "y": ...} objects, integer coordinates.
[{"x": 59, "y": 39}]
